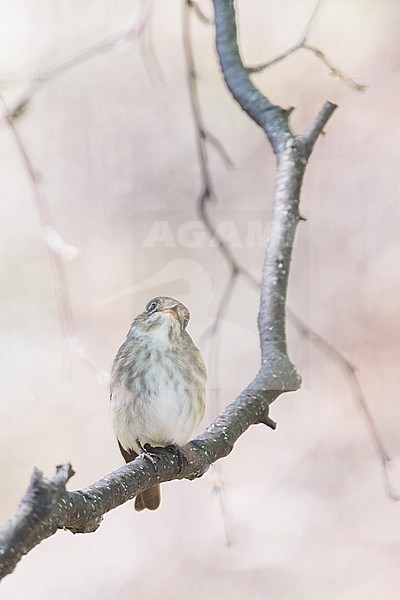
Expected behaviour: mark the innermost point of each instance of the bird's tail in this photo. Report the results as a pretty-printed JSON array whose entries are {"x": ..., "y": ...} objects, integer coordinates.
[{"x": 150, "y": 499}]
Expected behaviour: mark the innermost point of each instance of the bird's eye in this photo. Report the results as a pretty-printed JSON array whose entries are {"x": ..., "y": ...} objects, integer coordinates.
[{"x": 151, "y": 306}]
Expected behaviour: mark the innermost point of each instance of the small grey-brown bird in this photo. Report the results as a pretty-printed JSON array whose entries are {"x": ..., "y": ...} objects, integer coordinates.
[{"x": 157, "y": 385}]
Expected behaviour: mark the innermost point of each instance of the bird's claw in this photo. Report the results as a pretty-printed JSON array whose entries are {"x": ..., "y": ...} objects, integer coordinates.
[
  {"x": 180, "y": 455},
  {"x": 148, "y": 452},
  {"x": 154, "y": 452}
]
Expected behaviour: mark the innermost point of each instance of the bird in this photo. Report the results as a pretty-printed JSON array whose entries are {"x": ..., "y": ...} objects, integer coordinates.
[{"x": 158, "y": 382}]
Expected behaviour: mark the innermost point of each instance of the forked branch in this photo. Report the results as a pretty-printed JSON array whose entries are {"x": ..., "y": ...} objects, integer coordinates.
[
  {"x": 236, "y": 269},
  {"x": 302, "y": 44}
]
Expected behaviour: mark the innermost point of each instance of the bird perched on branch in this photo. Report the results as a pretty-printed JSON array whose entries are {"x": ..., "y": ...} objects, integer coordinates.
[{"x": 157, "y": 386}]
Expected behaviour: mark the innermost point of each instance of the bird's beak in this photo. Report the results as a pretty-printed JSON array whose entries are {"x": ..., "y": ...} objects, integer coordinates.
[{"x": 171, "y": 311}]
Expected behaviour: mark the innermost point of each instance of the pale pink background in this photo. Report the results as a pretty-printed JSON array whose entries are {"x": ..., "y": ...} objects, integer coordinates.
[{"x": 116, "y": 151}]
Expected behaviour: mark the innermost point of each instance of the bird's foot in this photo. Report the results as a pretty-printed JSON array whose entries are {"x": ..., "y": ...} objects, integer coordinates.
[
  {"x": 149, "y": 452},
  {"x": 179, "y": 453},
  {"x": 154, "y": 452}
]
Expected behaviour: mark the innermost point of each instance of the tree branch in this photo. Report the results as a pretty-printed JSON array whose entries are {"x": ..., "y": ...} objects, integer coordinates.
[
  {"x": 57, "y": 251},
  {"x": 273, "y": 119},
  {"x": 236, "y": 269},
  {"x": 292, "y": 49},
  {"x": 18, "y": 103},
  {"x": 291, "y": 153},
  {"x": 302, "y": 44},
  {"x": 47, "y": 506}
]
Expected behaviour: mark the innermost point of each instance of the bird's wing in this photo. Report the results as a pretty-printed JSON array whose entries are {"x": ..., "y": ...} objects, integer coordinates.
[{"x": 129, "y": 455}]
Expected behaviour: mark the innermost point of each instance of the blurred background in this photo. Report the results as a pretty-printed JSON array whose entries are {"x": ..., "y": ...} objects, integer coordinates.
[{"x": 112, "y": 143}]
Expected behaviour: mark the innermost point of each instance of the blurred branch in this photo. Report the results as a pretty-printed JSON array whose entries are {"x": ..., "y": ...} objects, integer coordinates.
[
  {"x": 57, "y": 249},
  {"x": 47, "y": 506},
  {"x": 303, "y": 39},
  {"x": 146, "y": 45},
  {"x": 350, "y": 372},
  {"x": 18, "y": 103},
  {"x": 207, "y": 194},
  {"x": 200, "y": 14},
  {"x": 219, "y": 488},
  {"x": 302, "y": 44},
  {"x": 335, "y": 71},
  {"x": 57, "y": 252}
]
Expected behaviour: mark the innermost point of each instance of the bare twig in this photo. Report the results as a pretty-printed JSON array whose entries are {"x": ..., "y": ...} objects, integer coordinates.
[
  {"x": 219, "y": 488},
  {"x": 311, "y": 20},
  {"x": 302, "y": 44},
  {"x": 146, "y": 45},
  {"x": 350, "y": 372},
  {"x": 202, "y": 136},
  {"x": 57, "y": 252},
  {"x": 220, "y": 149},
  {"x": 133, "y": 29},
  {"x": 303, "y": 39},
  {"x": 200, "y": 14},
  {"x": 20, "y": 100},
  {"x": 57, "y": 249},
  {"x": 335, "y": 72}
]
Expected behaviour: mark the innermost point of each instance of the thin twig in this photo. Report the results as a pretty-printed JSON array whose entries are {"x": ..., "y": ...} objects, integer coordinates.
[
  {"x": 350, "y": 373},
  {"x": 56, "y": 248},
  {"x": 133, "y": 29},
  {"x": 202, "y": 134},
  {"x": 220, "y": 149},
  {"x": 335, "y": 72},
  {"x": 219, "y": 488},
  {"x": 311, "y": 20},
  {"x": 57, "y": 252},
  {"x": 299, "y": 44},
  {"x": 146, "y": 46},
  {"x": 18, "y": 103},
  {"x": 302, "y": 44},
  {"x": 200, "y": 14},
  {"x": 222, "y": 307},
  {"x": 201, "y": 138},
  {"x": 314, "y": 131}
]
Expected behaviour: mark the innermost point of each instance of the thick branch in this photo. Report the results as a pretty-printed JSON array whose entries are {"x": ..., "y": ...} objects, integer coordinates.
[
  {"x": 292, "y": 153},
  {"x": 47, "y": 506},
  {"x": 273, "y": 119}
]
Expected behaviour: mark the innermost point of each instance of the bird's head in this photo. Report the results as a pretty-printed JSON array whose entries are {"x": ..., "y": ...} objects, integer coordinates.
[{"x": 162, "y": 316}]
